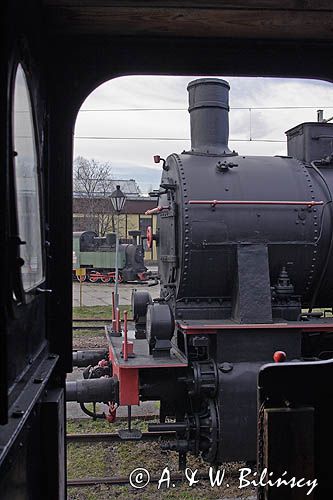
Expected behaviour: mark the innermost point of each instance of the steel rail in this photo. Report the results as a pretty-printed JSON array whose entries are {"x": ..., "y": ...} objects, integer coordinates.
[
  {"x": 99, "y": 320},
  {"x": 92, "y": 320},
  {"x": 114, "y": 436},
  {"x": 124, "y": 480},
  {"x": 88, "y": 327}
]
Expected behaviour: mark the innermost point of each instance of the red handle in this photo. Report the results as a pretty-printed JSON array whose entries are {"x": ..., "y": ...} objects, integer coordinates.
[
  {"x": 155, "y": 210},
  {"x": 149, "y": 235}
]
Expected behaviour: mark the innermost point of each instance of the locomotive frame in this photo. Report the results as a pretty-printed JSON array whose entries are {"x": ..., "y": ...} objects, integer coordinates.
[{"x": 65, "y": 58}]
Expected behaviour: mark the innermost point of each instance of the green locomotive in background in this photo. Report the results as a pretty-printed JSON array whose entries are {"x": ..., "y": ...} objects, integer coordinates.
[{"x": 97, "y": 255}]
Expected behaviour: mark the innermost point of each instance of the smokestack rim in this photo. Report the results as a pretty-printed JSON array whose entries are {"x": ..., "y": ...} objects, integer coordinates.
[
  {"x": 200, "y": 81},
  {"x": 209, "y": 103}
]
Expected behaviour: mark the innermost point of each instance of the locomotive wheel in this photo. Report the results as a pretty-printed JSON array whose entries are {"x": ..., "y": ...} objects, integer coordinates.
[
  {"x": 120, "y": 278},
  {"x": 203, "y": 430},
  {"x": 81, "y": 278},
  {"x": 105, "y": 278},
  {"x": 93, "y": 277},
  {"x": 209, "y": 431}
]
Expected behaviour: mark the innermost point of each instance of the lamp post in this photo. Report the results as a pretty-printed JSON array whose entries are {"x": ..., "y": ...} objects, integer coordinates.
[{"x": 118, "y": 200}]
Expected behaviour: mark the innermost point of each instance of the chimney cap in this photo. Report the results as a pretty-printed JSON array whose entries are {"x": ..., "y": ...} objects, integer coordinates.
[
  {"x": 203, "y": 81},
  {"x": 208, "y": 108}
]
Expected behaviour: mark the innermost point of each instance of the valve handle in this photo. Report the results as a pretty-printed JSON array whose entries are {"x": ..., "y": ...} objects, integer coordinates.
[{"x": 149, "y": 236}]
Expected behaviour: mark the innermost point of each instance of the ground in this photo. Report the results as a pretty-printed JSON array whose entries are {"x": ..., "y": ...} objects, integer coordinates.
[
  {"x": 99, "y": 294},
  {"x": 120, "y": 459}
]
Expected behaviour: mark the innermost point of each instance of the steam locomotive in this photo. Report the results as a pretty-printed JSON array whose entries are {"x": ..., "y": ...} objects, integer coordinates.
[
  {"x": 245, "y": 258},
  {"x": 97, "y": 255}
]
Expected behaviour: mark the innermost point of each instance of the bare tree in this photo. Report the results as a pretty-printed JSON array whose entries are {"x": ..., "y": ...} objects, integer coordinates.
[{"x": 93, "y": 183}]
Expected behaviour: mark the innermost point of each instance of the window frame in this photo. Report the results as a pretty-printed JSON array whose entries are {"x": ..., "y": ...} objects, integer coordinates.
[{"x": 19, "y": 294}]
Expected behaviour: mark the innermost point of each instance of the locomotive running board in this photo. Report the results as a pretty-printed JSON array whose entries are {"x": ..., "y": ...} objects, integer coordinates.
[
  {"x": 194, "y": 327},
  {"x": 127, "y": 371}
]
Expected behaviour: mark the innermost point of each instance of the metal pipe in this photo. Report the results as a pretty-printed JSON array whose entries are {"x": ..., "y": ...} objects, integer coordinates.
[
  {"x": 113, "y": 306},
  {"x": 117, "y": 269},
  {"x": 125, "y": 337},
  {"x": 156, "y": 210},
  {"x": 107, "y": 436},
  {"x": 254, "y": 202},
  {"x": 92, "y": 390},
  {"x": 92, "y": 414},
  {"x": 86, "y": 358},
  {"x": 129, "y": 418},
  {"x": 172, "y": 426},
  {"x": 118, "y": 327}
]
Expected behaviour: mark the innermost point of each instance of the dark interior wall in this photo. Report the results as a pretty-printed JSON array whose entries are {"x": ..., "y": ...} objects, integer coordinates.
[
  {"x": 87, "y": 61},
  {"x": 23, "y": 332},
  {"x": 29, "y": 441},
  {"x": 62, "y": 115},
  {"x": 64, "y": 70}
]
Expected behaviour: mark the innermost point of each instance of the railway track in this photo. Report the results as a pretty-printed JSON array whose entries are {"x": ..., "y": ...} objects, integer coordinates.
[
  {"x": 87, "y": 327},
  {"x": 114, "y": 437},
  {"x": 84, "y": 326},
  {"x": 124, "y": 480},
  {"x": 91, "y": 320}
]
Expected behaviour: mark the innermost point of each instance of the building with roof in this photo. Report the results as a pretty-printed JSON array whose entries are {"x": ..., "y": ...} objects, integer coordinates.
[
  {"x": 128, "y": 186},
  {"x": 96, "y": 213}
]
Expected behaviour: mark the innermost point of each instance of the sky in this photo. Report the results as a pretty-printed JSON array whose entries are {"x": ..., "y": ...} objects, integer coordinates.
[{"x": 129, "y": 139}]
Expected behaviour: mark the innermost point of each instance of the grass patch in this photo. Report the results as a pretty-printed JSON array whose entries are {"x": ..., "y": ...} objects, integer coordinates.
[
  {"x": 88, "y": 425},
  {"x": 119, "y": 459},
  {"x": 150, "y": 492},
  {"x": 84, "y": 457},
  {"x": 88, "y": 333},
  {"x": 97, "y": 312}
]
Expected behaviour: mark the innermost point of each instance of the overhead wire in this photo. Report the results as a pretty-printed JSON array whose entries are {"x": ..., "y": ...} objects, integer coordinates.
[
  {"x": 103, "y": 138},
  {"x": 270, "y": 108},
  {"x": 247, "y": 108}
]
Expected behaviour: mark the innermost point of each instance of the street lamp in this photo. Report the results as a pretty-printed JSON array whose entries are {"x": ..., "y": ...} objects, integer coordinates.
[{"x": 118, "y": 200}]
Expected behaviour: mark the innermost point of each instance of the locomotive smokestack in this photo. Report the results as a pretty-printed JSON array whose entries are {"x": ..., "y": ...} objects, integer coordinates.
[{"x": 209, "y": 108}]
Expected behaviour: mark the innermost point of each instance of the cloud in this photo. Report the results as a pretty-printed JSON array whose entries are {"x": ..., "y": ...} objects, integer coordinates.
[{"x": 170, "y": 92}]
